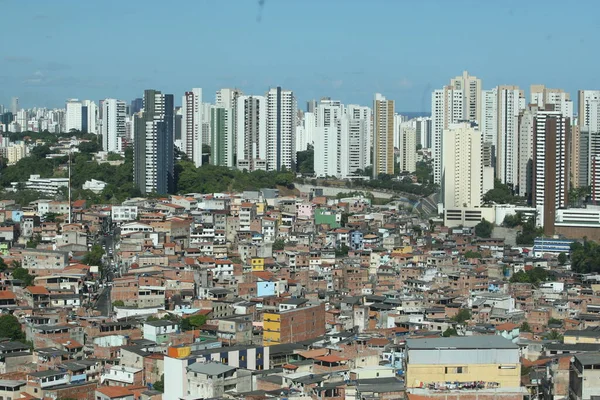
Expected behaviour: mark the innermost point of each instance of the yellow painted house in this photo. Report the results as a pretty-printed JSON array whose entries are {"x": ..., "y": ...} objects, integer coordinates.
[
  {"x": 257, "y": 263},
  {"x": 489, "y": 359},
  {"x": 589, "y": 335},
  {"x": 271, "y": 329}
]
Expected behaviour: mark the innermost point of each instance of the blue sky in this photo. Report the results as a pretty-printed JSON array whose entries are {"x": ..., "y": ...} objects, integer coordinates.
[{"x": 345, "y": 49}]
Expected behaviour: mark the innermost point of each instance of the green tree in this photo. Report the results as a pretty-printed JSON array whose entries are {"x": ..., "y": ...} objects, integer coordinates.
[
  {"x": 528, "y": 233},
  {"x": 553, "y": 335},
  {"x": 94, "y": 256},
  {"x": 11, "y": 328},
  {"x": 342, "y": 251},
  {"x": 34, "y": 241},
  {"x": 472, "y": 254},
  {"x": 450, "y": 332},
  {"x": 501, "y": 194},
  {"x": 533, "y": 276},
  {"x": 118, "y": 303},
  {"x": 512, "y": 221},
  {"x": 279, "y": 244},
  {"x": 525, "y": 327},
  {"x": 23, "y": 275},
  {"x": 114, "y": 157},
  {"x": 562, "y": 258},
  {"x": 554, "y": 321},
  {"x": 305, "y": 161},
  {"x": 193, "y": 322},
  {"x": 484, "y": 229},
  {"x": 90, "y": 147},
  {"x": 463, "y": 316},
  {"x": 159, "y": 385},
  {"x": 3, "y": 265}
]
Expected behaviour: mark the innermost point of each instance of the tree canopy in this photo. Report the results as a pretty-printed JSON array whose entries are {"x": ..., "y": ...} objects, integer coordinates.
[
  {"x": 484, "y": 229},
  {"x": 94, "y": 256},
  {"x": 305, "y": 161},
  {"x": 533, "y": 276},
  {"x": 585, "y": 257},
  {"x": 11, "y": 328},
  {"x": 463, "y": 316},
  {"x": 529, "y": 232}
]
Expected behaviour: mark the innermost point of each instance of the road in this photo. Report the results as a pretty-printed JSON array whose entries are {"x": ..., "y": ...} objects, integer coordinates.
[{"x": 103, "y": 303}]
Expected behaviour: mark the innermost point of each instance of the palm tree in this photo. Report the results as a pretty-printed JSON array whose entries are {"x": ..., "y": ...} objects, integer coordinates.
[{"x": 553, "y": 335}]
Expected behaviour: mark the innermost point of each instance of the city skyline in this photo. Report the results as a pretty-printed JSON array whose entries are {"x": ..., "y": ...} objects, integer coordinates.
[{"x": 44, "y": 75}]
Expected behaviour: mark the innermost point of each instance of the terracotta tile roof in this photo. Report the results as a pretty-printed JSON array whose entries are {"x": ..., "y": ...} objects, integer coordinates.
[
  {"x": 7, "y": 295},
  {"x": 506, "y": 327},
  {"x": 330, "y": 359},
  {"x": 114, "y": 391},
  {"x": 379, "y": 342},
  {"x": 314, "y": 353},
  {"x": 37, "y": 290},
  {"x": 264, "y": 275}
]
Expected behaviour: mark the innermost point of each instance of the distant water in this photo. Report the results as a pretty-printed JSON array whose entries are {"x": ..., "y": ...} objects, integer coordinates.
[{"x": 414, "y": 114}]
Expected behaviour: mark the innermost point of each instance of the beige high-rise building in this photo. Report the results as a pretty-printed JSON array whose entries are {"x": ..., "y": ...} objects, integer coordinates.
[
  {"x": 383, "y": 136},
  {"x": 463, "y": 167},
  {"x": 471, "y": 92},
  {"x": 500, "y": 111},
  {"x": 575, "y": 156},
  {"x": 561, "y": 100},
  {"x": 447, "y": 107},
  {"x": 408, "y": 149}
]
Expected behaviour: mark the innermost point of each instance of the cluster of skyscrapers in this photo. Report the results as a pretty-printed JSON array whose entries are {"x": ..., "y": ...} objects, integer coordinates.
[
  {"x": 537, "y": 147},
  {"x": 474, "y": 135}
]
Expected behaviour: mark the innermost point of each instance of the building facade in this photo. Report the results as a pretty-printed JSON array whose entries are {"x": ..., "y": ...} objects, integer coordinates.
[
  {"x": 463, "y": 169},
  {"x": 551, "y": 166},
  {"x": 251, "y": 133},
  {"x": 153, "y": 144},
  {"x": 113, "y": 132},
  {"x": 281, "y": 129},
  {"x": 383, "y": 136}
]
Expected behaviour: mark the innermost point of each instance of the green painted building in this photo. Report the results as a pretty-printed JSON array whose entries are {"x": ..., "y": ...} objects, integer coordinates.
[{"x": 221, "y": 128}]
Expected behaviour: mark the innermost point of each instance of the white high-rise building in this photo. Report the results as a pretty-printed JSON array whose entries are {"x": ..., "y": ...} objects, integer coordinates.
[
  {"x": 588, "y": 115},
  {"x": 14, "y": 105},
  {"x": 526, "y": 150},
  {"x": 281, "y": 129},
  {"x": 221, "y": 127},
  {"x": 551, "y": 165},
  {"x": 227, "y": 98},
  {"x": 74, "y": 115},
  {"x": 398, "y": 120},
  {"x": 488, "y": 124},
  {"x": 510, "y": 102},
  {"x": 251, "y": 133},
  {"x": 114, "y": 113},
  {"x": 328, "y": 137},
  {"x": 364, "y": 113},
  {"x": 542, "y": 96},
  {"x": 383, "y": 136},
  {"x": 340, "y": 147},
  {"x": 447, "y": 107},
  {"x": 422, "y": 126},
  {"x": 89, "y": 116},
  {"x": 408, "y": 149},
  {"x": 471, "y": 91},
  {"x": 463, "y": 168},
  {"x": 21, "y": 119},
  {"x": 305, "y": 131},
  {"x": 192, "y": 123}
]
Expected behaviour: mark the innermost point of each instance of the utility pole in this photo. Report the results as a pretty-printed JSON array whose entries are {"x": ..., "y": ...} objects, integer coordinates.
[{"x": 70, "y": 209}]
